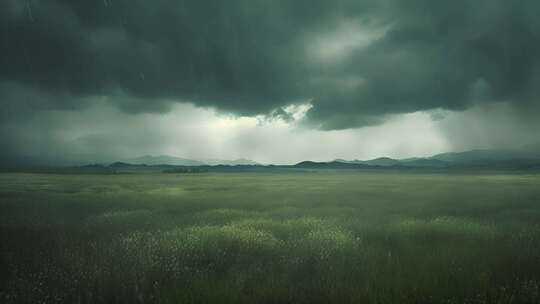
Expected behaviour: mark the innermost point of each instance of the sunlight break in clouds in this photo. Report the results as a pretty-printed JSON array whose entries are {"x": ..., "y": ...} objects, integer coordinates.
[{"x": 105, "y": 133}]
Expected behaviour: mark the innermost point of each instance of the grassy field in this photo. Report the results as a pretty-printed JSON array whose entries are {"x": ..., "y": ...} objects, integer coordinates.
[{"x": 318, "y": 237}]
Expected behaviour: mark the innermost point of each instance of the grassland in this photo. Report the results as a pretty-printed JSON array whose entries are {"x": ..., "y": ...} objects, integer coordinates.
[{"x": 317, "y": 237}]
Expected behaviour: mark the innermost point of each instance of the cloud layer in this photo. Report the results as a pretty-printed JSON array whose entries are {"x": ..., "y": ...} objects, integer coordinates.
[{"x": 356, "y": 61}]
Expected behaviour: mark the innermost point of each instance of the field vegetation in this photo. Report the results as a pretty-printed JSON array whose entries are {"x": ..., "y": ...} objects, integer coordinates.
[{"x": 299, "y": 237}]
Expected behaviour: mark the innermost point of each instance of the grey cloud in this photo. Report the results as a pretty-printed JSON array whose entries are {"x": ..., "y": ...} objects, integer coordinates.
[
  {"x": 250, "y": 57},
  {"x": 442, "y": 54},
  {"x": 240, "y": 56}
]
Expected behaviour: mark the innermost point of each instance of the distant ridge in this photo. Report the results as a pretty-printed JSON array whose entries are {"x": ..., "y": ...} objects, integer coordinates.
[
  {"x": 237, "y": 162},
  {"x": 178, "y": 161},
  {"x": 518, "y": 159},
  {"x": 164, "y": 160},
  {"x": 330, "y": 165},
  {"x": 525, "y": 158},
  {"x": 114, "y": 165},
  {"x": 381, "y": 161},
  {"x": 528, "y": 156},
  {"x": 486, "y": 156}
]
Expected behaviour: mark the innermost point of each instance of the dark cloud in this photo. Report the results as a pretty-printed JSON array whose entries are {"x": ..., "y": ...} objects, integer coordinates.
[
  {"x": 449, "y": 55},
  {"x": 252, "y": 56},
  {"x": 241, "y": 56}
]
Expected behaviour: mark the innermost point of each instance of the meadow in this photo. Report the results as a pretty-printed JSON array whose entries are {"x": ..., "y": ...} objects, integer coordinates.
[{"x": 285, "y": 237}]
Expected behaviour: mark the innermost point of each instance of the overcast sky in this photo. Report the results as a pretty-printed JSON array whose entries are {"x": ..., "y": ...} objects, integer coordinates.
[{"x": 275, "y": 81}]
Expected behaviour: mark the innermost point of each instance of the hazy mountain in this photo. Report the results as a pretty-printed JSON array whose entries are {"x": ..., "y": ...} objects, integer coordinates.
[
  {"x": 423, "y": 163},
  {"x": 178, "y": 161},
  {"x": 330, "y": 165},
  {"x": 528, "y": 156},
  {"x": 114, "y": 165},
  {"x": 475, "y": 156},
  {"x": 381, "y": 161},
  {"x": 489, "y": 156},
  {"x": 450, "y": 159},
  {"x": 164, "y": 160},
  {"x": 237, "y": 162}
]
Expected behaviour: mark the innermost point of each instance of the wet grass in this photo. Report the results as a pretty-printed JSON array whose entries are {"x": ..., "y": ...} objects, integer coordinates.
[{"x": 318, "y": 237}]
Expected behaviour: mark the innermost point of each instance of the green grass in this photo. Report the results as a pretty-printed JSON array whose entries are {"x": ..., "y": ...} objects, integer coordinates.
[{"x": 318, "y": 237}]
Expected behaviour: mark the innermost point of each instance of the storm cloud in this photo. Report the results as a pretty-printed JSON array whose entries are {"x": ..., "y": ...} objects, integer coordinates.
[
  {"x": 238, "y": 56},
  {"x": 355, "y": 61}
]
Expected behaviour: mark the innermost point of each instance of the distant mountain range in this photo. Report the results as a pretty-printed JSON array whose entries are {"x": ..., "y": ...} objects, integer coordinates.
[
  {"x": 238, "y": 162},
  {"x": 163, "y": 160},
  {"x": 529, "y": 155},
  {"x": 472, "y": 158},
  {"x": 178, "y": 161},
  {"x": 389, "y": 162},
  {"x": 525, "y": 158},
  {"x": 519, "y": 159}
]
